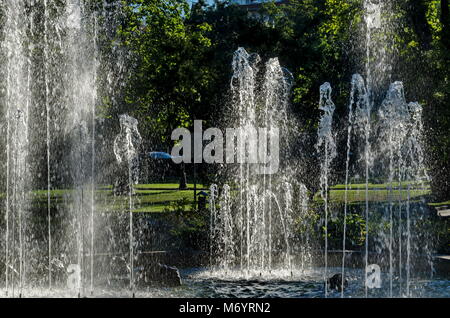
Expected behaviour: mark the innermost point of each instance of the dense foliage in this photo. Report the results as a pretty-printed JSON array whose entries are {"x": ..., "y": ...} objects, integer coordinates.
[{"x": 182, "y": 54}]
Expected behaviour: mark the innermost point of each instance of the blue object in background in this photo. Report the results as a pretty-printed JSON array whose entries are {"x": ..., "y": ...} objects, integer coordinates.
[{"x": 160, "y": 155}]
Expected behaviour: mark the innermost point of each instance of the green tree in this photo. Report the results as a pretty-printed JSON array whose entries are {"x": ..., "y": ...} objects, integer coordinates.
[{"x": 170, "y": 70}]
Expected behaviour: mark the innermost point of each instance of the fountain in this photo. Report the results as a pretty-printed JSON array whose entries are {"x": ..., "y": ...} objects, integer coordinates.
[
  {"x": 383, "y": 143},
  {"x": 17, "y": 103},
  {"x": 257, "y": 239},
  {"x": 385, "y": 140},
  {"x": 397, "y": 146},
  {"x": 388, "y": 135},
  {"x": 265, "y": 227},
  {"x": 50, "y": 59},
  {"x": 326, "y": 143},
  {"x": 126, "y": 147}
]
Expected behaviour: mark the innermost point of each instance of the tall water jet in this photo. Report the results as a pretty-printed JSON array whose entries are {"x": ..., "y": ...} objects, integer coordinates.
[
  {"x": 80, "y": 198},
  {"x": 48, "y": 140},
  {"x": 400, "y": 134},
  {"x": 393, "y": 113},
  {"x": 359, "y": 109},
  {"x": 51, "y": 56},
  {"x": 17, "y": 106},
  {"x": 377, "y": 71},
  {"x": 93, "y": 105},
  {"x": 326, "y": 148},
  {"x": 377, "y": 15},
  {"x": 277, "y": 86},
  {"x": 80, "y": 23},
  {"x": 227, "y": 221},
  {"x": 306, "y": 227},
  {"x": 213, "y": 194},
  {"x": 262, "y": 228},
  {"x": 396, "y": 144},
  {"x": 243, "y": 85},
  {"x": 362, "y": 98},
  {"x": 126, "y": 149}
]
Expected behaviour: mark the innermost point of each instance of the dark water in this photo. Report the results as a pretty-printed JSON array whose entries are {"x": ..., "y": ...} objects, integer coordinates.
[
  {"x": 308, "y": 284},
  {"x": 202, "y": 283}
]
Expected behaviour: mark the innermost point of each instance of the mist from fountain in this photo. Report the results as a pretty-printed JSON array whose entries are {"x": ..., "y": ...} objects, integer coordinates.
[
  {"x": 17, "y": 103},
  {"x": 50, "y": 57}
]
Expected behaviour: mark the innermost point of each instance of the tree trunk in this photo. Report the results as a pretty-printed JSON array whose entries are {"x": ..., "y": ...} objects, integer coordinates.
[{"x": 183, "y": 183}]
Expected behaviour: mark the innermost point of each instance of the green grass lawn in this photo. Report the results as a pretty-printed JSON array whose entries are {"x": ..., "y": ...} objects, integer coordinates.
[
  {"x": 161, "y": 197},
  {"x": 357, "y": 186},
  {"x": 439, "y": 203},
  {"x": 165, "y": 186},
  {"x": 374, "y": 195},
  {"x": 148, "y": 198},
  {"x": 377, "y": 192},
  {"x": 156, "y": 186}
]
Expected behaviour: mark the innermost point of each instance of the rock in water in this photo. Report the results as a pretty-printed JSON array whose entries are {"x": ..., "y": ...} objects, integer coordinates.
[
  {"x": 170, "y": 276},
  {"x": 335, "y": 282},
  {"x": 162, "y": 275}
]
